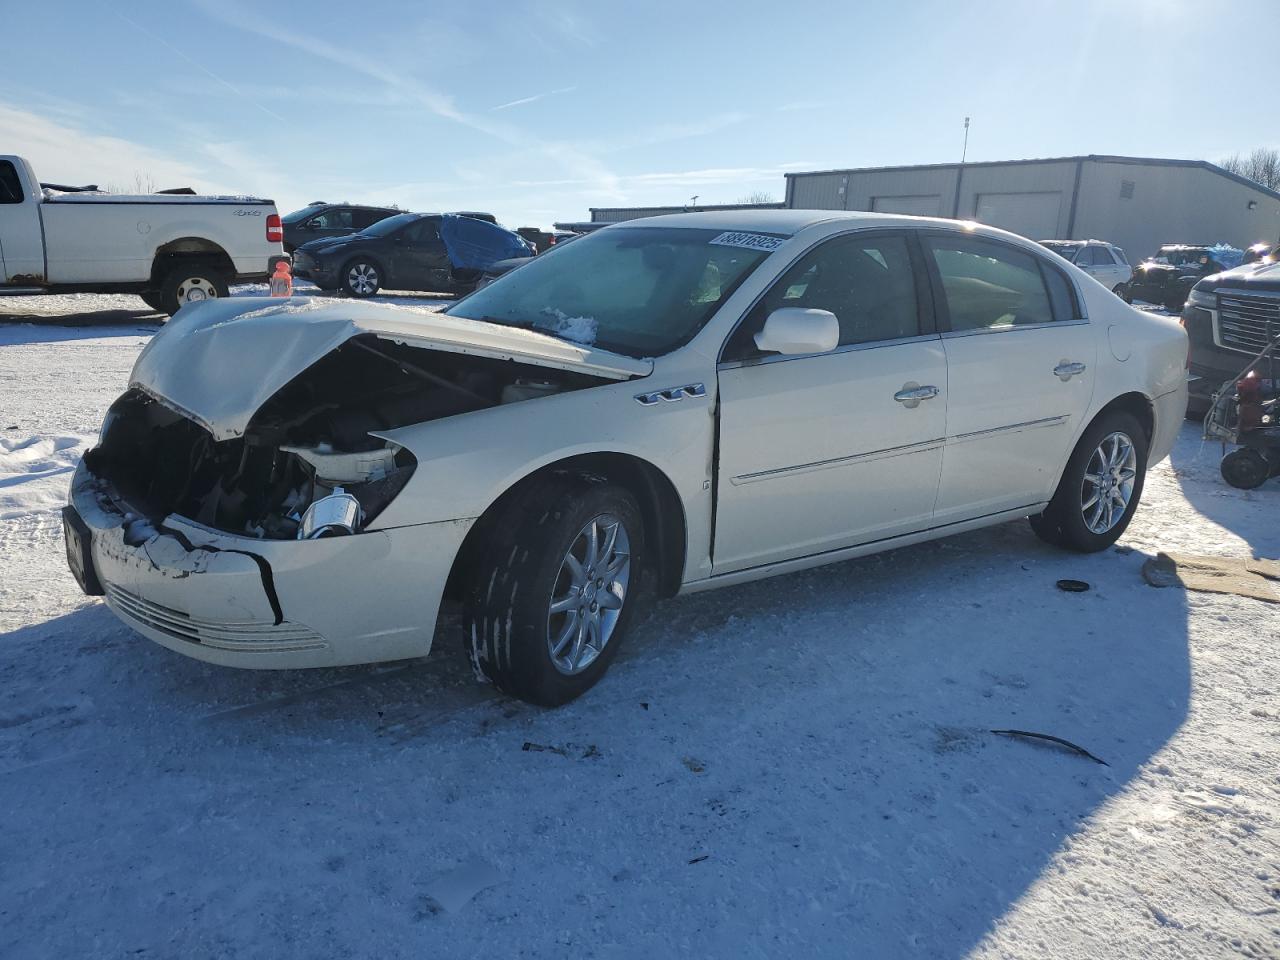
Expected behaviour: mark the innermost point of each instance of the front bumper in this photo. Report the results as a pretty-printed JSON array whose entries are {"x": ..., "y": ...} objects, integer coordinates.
[
  {"x": 269, "y": 604},
  {"x": 308, "y": 268}
]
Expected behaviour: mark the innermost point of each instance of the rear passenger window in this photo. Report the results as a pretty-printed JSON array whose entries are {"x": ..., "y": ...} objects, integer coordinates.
[
  {"x": 867, "y": 282},
  {"x": 1102, "y": 257},
  {"x": 1062, "y": 297},
  {"x": 991, "y": 286},
  {"x": 1120, "y": 255},
  {"x": 10, "y": 185}
]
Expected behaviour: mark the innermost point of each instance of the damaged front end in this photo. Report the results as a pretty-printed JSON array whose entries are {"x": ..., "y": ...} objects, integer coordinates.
[{"x": 311, "y": 462}]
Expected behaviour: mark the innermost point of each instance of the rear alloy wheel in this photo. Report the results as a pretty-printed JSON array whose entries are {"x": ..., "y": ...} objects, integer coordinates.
[
  {"x": 360, "y": 278},
  {"x": 1100, "y": 488},
  {"x": 553, "y": 588},
  {"x": 192, "y": 283}
]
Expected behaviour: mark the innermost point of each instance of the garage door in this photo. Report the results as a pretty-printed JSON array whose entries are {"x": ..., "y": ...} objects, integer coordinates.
[
  {"x": 918, "y": 205},
  {"x": 1034, "y": 215}
]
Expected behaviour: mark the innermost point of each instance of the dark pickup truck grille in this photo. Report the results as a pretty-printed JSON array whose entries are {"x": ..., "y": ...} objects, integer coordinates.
[{"x": 1243, "y": 320}]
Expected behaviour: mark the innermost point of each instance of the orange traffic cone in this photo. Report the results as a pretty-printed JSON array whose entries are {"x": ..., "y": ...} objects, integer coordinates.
[{"x": 282, "y": 280}]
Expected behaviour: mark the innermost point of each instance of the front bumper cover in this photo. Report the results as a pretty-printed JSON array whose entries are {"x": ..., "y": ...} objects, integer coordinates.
[{"x": 269, "y": 604}]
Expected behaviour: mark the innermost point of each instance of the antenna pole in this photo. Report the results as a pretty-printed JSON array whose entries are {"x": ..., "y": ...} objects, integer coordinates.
[{"x": 965, "y": 152}]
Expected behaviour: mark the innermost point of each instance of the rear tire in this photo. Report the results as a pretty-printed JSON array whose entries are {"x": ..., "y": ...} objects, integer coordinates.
[
  {"x": 1122, "y": 291},
  {"x": 1100, "y": 487},
  {"x": 192, "y": 282},
  {"x": 544, "y": 615}
]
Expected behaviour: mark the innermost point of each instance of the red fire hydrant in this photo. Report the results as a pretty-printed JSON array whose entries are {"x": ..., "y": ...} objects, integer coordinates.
[{"x": 282, "y": 280}]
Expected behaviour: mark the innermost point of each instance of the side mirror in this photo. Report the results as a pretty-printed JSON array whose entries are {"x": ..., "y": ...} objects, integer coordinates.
[{"x": 796, "y": 330}]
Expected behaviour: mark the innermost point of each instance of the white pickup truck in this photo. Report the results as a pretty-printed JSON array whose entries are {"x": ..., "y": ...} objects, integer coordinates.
[{"x": 169, "y": 249}]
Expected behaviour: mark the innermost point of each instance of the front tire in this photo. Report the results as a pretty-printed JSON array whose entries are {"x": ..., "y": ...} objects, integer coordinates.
[
  {"x": 1122, "y": 291},
  {"x": 361, "y": 278},
  {"x": 1100, "y": 487},
  {"x": 192, "y": 282},
  {"x": 554, "y": 589}
]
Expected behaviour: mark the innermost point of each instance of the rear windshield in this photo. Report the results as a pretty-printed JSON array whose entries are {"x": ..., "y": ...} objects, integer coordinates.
[
  {"x": 301, "y": 214},
  {"x": 390, "y": 225},
  {"x": 1067, "y": 250},
  {"x": 640, "y": 291}
]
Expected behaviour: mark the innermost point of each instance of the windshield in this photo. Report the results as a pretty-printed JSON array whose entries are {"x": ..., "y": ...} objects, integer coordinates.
[
  {"x": 390, "y": 225},
  {"x": 640, "y": 291},
  {"x": 1066, "y": 250},
  {"x": 301, "y": 214}
]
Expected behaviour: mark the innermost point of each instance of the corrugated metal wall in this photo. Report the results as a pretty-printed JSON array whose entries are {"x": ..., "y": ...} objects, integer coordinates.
[
  {"x": 1135, "y": 204},
  {"x": 1140, "y": 207}
]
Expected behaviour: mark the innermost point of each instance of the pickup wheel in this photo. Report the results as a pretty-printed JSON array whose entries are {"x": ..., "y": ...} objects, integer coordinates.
[
  {"x": 1099, "y": 489},
  {"x": 361, "y": 278},
  {"x": 554, "y": 589},
  {"x": 192, "y": 282},
  {"x": 151, "y": 298}
]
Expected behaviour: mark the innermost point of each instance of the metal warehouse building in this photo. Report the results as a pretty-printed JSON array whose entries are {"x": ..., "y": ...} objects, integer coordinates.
[{"x": 1133, "y": 202}]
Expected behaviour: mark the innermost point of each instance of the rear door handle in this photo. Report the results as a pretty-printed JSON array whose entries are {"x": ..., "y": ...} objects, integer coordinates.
[
  {"x": 1066, "y": 369},
  {"x": 912, "y": 393}
]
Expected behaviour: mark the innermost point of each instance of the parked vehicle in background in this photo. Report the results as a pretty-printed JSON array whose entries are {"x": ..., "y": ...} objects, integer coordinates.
[
  {"x": 170, "y": 249},
  {"x": 323, "y": 221},
  {"x": 1168, "y": 277},
  {"x": 501, "y": 267},
  {"x": 682, "y": 402},
  {"x": 410, "y": 251},
  {"x": 1103, "y": 261},
  {"x": 1228, "y": 317},
  {"x": 1261, "y": 251}
]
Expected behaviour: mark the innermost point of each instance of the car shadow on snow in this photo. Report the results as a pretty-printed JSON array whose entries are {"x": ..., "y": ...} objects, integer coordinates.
[
  {"x": 53, "y": 331},
  {"x": 812, "y": 754},
  {"x": 1249, "y": 514}
]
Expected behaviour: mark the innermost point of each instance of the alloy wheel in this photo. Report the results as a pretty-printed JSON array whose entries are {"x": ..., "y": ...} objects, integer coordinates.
[
  {"x": 1108, "y": 482},
  {"x": 363, "y": 279},
  {"x": 589, "y": 593}
]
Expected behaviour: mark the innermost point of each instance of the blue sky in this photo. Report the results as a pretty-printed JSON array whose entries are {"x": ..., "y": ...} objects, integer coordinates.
[{"x": 538, "y": 110}]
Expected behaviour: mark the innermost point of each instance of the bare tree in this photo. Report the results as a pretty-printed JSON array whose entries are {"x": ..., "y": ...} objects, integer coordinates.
[
  {"x": 143, "y": 183},
  {"x": 1261, "y": 166},
  {"x": 757, "y": 196}
]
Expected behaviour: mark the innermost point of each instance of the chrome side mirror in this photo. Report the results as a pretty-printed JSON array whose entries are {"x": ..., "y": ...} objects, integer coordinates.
[{"x": 797, "y": 330}]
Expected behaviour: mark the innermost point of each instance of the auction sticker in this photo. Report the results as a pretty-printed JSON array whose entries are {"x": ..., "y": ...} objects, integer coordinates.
[{"x": 751, "y": 241}]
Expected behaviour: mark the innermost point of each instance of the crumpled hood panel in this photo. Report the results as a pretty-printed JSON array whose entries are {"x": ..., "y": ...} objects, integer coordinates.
[{"x": 217, "y": 362}]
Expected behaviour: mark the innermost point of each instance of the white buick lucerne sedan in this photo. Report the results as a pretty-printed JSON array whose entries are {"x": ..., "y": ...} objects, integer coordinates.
[{"x": 665, "y": 406}]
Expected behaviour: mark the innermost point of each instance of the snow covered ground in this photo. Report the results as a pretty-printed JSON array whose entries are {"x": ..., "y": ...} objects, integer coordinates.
[{"x": 801, "y": 767}]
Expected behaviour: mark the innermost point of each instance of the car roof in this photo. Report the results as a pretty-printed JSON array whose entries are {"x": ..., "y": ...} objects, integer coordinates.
[{"x": 791, "y": 222}]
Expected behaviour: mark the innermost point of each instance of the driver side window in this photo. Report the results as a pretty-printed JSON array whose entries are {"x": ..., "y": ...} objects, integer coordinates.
[{"x": 866, "y": 281}]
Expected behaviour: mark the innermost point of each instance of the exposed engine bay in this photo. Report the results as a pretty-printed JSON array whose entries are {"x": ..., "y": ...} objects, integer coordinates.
[{"x": 307, "y": 465}]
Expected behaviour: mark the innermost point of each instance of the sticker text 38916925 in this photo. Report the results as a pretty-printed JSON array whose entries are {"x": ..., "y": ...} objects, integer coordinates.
[{"x": 751, "y": 241}]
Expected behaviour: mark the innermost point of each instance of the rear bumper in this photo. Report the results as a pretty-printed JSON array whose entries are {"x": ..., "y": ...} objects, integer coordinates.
[
  {"x": 269, "y": 604},
  {"x": 1170, "y": 411}
]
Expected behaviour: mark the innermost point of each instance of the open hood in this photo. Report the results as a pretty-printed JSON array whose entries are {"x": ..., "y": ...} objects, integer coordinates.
[{"x": 217, "y": 362}]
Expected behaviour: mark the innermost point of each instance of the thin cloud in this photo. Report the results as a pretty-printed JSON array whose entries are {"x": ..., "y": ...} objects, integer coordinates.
[
  {"x": 63, "y": 153},
  {"x": 798, "y": 105},
  {"x": 438, "y": 103},
  {"x": 200, "y": 66},
  {"x": 537, "y": 96}
]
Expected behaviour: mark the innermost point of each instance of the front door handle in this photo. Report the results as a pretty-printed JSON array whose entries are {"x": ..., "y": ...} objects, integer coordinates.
[
  {"x": 1065, "y": 370},
  {"x": 912, "y": 393}
]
